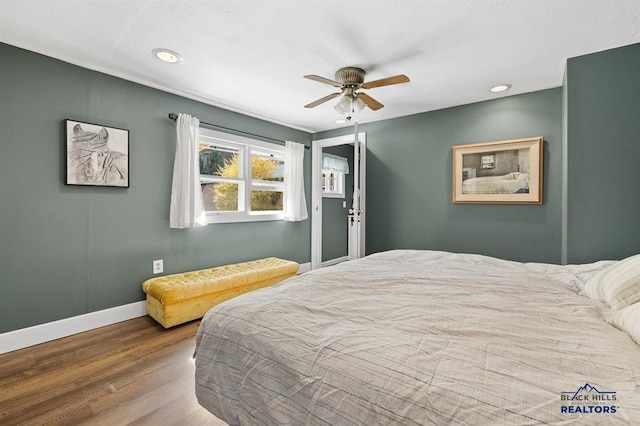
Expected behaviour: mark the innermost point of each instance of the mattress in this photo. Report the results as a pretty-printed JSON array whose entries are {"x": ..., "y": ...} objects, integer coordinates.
[{"x": 416, "y": 338}]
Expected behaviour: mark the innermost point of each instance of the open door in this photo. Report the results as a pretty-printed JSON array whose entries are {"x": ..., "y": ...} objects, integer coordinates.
[
  {"x": 356, "y": 212},
  {"x": 356, "y": 217}
]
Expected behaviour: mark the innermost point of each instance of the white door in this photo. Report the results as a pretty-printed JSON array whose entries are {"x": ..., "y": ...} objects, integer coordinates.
[{"x": 357, "y": 210}]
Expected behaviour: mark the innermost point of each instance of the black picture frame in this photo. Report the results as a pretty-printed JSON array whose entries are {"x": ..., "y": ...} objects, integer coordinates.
[{"x": 96, "y": 155}]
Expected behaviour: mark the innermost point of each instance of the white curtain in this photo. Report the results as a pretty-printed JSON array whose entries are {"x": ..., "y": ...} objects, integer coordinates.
[
  {"x": 295, "y": 203},
  {"x": 187, "y": 210}
]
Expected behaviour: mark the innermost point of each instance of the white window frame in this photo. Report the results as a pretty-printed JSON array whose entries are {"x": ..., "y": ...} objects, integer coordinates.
[
  {"x": 340, "y": 184},
  {"x": 247, "y": 147},
  {"x": 488, "y": 161}
]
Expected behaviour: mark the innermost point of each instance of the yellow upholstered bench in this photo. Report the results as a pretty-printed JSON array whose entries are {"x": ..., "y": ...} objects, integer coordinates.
[{"x": 178, "y": 298}]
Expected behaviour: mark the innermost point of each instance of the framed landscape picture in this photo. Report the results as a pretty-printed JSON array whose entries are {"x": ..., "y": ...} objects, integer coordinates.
[
  {"x": 502, "y": 172},
  {"x": 96, "y": 155}
]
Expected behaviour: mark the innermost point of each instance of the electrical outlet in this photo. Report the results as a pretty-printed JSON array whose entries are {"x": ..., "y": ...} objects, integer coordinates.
[{"x": 158, "y": 266}]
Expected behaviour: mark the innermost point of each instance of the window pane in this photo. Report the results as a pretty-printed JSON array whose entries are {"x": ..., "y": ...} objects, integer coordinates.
[
  {"x": 216, "y": 161},
  {"x": 270, "y": 169},
  {"x": 266, "y": 200},
  {"x": 488, "y": 161},
  {"x": 333, "y": 183},
  {"x": 220, "y": 197}
]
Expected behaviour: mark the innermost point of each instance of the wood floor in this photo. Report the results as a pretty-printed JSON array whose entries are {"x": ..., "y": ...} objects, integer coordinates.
[{"x": 134, "y": 372}]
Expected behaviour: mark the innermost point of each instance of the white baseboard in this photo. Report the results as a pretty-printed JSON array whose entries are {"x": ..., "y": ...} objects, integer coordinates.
[
  {"x": 335, "y": 261},
  {"x": 304, "y": 267},
  {"x": 25, "y": 337}
]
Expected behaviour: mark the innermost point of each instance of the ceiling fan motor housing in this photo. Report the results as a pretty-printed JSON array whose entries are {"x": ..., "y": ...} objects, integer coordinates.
[{"x": 350, "y": 76}]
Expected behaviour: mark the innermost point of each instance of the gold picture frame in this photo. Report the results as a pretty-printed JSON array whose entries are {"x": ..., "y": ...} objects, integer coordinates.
[{"x": 502, "y": 172}]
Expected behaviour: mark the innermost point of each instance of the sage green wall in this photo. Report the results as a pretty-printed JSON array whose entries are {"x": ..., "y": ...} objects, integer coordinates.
[
  {"x": 409, "y": 169},
  {"x": 69, "y": 250},
  {"x": 335, "y": 237},
  {"x": 603, "y": 142}
]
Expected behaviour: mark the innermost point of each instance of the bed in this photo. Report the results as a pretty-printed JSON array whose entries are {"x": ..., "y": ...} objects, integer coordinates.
[
  {"x": 421, "y": 337},
  {"x": 510, "y": 183}
]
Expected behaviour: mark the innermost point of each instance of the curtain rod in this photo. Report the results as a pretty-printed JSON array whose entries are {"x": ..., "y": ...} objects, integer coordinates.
[{"x": 173, "y": 116}]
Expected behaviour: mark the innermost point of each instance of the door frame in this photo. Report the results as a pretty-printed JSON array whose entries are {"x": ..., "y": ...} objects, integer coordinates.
[{"x": 316, "y": 190}]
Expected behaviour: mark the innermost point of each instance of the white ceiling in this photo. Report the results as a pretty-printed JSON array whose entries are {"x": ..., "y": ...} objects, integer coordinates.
[{"x": 250, "y": 55}]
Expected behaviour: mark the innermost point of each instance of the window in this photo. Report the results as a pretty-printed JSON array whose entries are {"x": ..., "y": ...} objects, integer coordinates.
[
  {"x": 242, "y": 179},
  {"x": 334, "y": 169},
  {"x": 333, "y": 184},
  {"x": 488, "y": 161}
]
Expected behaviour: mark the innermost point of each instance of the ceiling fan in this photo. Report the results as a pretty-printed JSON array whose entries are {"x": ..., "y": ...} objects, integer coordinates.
[{"x": 350, "y": 80}]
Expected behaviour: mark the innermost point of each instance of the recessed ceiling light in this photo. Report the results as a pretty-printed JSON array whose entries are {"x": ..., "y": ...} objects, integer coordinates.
[
  {"x": 166, "y": 55},
  {"x": 500, "y": 88}
]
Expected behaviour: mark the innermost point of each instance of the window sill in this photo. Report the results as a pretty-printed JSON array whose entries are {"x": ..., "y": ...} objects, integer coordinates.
[
  {"x": 243, "y": 217},
  {"x": 332, "y": 195}
]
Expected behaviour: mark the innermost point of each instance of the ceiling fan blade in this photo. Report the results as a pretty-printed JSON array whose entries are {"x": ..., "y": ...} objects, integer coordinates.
[
  {"x": 370, "y": 102},
  {"x": 396, "y": 79},
  {"x": 323, "y": 80},
  {"x": 322, "y": 100}
]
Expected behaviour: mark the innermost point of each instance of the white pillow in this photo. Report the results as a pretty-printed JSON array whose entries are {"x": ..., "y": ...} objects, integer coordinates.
[
  {"x": 593, "y": 289},
  {"x": 628, "y": 319},
  {"x": 618, "y": 285}
]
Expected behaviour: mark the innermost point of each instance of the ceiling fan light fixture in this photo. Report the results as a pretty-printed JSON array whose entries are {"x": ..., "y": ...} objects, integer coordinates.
[
  {"x": 344, "y": 105},
  {"x": 349, "y": 103},
  {"x": 500, "y": 88},
  {"x": 166, "y": 55}
]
